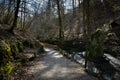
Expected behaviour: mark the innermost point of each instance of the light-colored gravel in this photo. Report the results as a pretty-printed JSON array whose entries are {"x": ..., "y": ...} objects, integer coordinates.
[{"x": 53, "y": 66}]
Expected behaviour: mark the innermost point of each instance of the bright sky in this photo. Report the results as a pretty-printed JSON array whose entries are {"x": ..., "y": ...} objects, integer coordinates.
[{"x": 68, "y": 4}]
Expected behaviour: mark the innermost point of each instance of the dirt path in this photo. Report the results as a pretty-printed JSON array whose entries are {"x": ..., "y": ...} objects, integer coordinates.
[{"x": 53, "y": 66}]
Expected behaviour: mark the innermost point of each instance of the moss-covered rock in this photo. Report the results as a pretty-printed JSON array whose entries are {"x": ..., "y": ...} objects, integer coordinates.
[{"x": 96, "y": 46}]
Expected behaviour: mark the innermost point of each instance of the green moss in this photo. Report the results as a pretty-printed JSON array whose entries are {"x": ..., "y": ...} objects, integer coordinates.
[
  {"x": 96, "y": 45},
  {"x": 6, "y": 47},
  {"x": 9, "y": 68},
  {"x": 5, "y": 52},
  {"x": 6, "y": 70},
  {"x": 14, "y": 49}
]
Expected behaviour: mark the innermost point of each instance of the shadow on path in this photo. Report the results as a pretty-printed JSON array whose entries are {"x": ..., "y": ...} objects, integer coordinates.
[{"x": 53, "y": 66}]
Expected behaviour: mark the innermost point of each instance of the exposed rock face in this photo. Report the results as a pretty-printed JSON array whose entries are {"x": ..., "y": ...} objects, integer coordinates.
[
  {"x": 112, "y": 43},
  {"x": 116, "y": 27}
]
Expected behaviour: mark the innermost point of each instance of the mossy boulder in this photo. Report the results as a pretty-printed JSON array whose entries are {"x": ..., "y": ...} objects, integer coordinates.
[{"x": 96, "y": 45}]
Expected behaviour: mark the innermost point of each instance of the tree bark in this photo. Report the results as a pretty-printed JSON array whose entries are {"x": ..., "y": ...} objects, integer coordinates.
[
  {"x": 15, "y": 16},
  {"x": 7, "y": 17},
  {"x": 87, "y": 27},
  {"x": 24, "y": 11},
  {"x": 61, "y": 32}
]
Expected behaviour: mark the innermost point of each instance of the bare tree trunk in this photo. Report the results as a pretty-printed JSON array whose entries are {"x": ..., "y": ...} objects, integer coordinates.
[
  {"x": 9, "y": 6},
  {"x": 3, "y": 5},
  {"x": 15, "y": 16},
  {"x": 61, "y": 32},
  {"x": 73, "y": 5},
  {"x": 21, "y": 14},
  {"x": 2, "y": 11},
  {"x": 79, "y": 19},
  {"x": 24, "y": 8},
  {"x": 87, "y": 27},
  {"x": 7, "y": 17},
  {"x": 49, "y": 10}
]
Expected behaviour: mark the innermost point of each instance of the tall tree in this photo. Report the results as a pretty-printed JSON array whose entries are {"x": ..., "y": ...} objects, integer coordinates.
[
  {"x": 61, "y": 32},
  {"x": 7, "y": 15},
  {"x": 15, "y": 16},
  {"x": 87, "y": 28},
  {"x": 49, "y": 9},
  {"x": 73, "y": 5},
  {"x": 24, "y": 11}
]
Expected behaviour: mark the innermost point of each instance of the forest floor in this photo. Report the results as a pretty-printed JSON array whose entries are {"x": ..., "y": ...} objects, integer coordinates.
[{"x": 51, "y": 65}]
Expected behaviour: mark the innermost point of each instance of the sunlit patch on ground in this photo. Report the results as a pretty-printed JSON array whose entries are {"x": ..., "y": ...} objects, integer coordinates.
[{"x": 54, "y": 66}]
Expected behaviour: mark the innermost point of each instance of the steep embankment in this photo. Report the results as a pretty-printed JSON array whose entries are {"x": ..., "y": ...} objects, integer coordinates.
[{"x": 12, "y": 47}]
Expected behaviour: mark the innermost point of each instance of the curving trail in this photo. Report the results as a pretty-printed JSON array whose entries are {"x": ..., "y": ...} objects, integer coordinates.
[{"x": 53, "y": 66}]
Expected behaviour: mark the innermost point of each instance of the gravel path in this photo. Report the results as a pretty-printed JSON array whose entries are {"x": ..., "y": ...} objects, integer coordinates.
[{"x": 53, "y": 66}]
